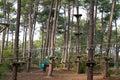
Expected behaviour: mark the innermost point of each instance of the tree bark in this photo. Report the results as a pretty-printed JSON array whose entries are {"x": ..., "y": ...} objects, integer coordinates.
[
  {"x": 109, "y": 39},
  {"x": 16, "y": 44},
  {"x": 53, "y": 39},
  {"x": 102, "y": 31},
  {"x": 24, "y": 41},
  {"x": 95, "y": 18},
  {"x": 116, "y": 50},
  {"x": 47, "y": 40},
  {"x": 35, "y": 11},
  {"x": 7, "y": 30},
  {"x": 64, "y": 54},
  {"x": 68, "y": 36},
  {"x": 30, "y": 37},
  {"x": 3, "y": 33},
  {"x": 91, "y": 42}
]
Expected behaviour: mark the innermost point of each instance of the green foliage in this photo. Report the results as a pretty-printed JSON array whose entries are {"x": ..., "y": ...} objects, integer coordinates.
[
  {"x": 1, "y": 72},
  {"x": 37, "y": 44},
  {"x": 7, "y": 55},
  {"x": 66, "y": 1},
  {"x": 82, "y": 68},
  {"x": 104, "y": 5},
  {"x": 45, "y": 2},
  {"x": 85, "y": 3},
  {"x": 1, "y": 15},
  {"x": 116, "y": 12},
  {"x": 111, "y": 64},
  {"x": 43, "y": 15},
  {"x": 4, "y": 67},
  {"x": 109, "y": 73},
  {"x": 8, "y": 52},
  {"x": 9, "y": 8}
]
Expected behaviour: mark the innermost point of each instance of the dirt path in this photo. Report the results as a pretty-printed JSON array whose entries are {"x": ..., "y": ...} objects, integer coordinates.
[{"x": 57, "y": 75}]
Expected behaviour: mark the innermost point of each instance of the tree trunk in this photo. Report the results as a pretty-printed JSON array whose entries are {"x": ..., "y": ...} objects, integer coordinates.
[
  {"x": 91, "y": 42},
  {"x": 53, "y": 39},
  {"x": 16, "y": 44},
  {"x": 12, "y": 46},
  {"x": 3, "y": 33},
  {"x": 3, "y": 45},
  {"x": 72, "y": 25},
  {"x": 77, "y": 34},
  {"x": 47, "y": 40},
  {"x": 36, "y": 3},
  {"x": 64, "y": 54},
  {"x": 95, "y": 18},
  {"x": 24, "y": 41},
  {"x": 101, "y": 40},
  {"x": 42, "y": 50},
  {"x": 117, "y": 50},
  {"x": 77, "y": 42},
  {"x": 30, "y": 37},
  {"x": 102, "y": 31},
  {"x": 109, "y": 40},
  {"x": 68, "y": 35},
  {"x": 7, "y": 30}
]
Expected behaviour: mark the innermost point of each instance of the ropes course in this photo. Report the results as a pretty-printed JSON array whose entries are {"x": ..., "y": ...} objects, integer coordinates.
[
  {"x": 62, "y": 47},
  {"x": 6, "y": 25},
  {"x": 37, "y": 51}
]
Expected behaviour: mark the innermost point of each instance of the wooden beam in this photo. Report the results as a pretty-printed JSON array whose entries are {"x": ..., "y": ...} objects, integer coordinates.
[{"x": 6, "y": 25}]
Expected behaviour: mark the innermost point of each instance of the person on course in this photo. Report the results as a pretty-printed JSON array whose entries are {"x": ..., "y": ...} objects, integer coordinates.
[{"x": 46, "y": 63}]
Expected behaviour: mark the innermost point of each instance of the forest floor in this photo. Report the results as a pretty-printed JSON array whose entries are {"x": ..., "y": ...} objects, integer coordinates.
[{"x": 57, "y": 75}]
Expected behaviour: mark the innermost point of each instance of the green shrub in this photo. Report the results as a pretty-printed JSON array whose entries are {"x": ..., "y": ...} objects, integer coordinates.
[
  {"x": 3, "y": 69},
  {"x": 111, "y": 64},
  {"x": 109, "y": 73},
  {"x": 1, "y": 74},
  {"x": 82, "y": 68}
]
